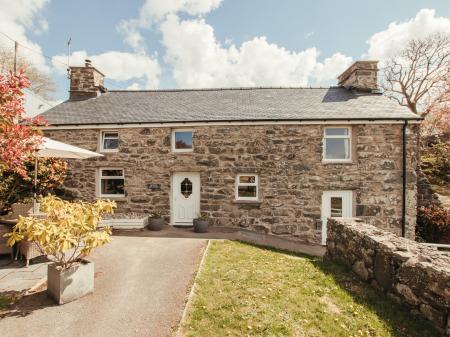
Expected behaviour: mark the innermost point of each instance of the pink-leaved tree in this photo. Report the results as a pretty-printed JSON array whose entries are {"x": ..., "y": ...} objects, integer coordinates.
[{"x": 19, "y": 135}]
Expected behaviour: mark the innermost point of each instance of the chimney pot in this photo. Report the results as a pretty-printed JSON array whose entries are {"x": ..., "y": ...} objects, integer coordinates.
[
  {"x": 87, "y": 63},
  {"x": 361, "y": 75}
]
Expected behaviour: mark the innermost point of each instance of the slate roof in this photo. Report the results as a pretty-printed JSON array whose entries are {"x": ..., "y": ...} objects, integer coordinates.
[{"x": 231, "y": 104}]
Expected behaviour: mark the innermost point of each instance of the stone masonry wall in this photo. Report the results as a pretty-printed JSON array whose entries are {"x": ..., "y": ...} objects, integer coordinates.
[
  {"x": 410, "y": 272},
  {"x": 425, "y": 194},
  {"x": 288, "y": 159}
]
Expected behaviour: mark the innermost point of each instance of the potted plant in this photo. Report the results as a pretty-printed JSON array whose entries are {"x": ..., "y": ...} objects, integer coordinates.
[
  {"x": 155, "y": 221},
  {"x": 201, "y": 223},
  {"x": 67, "y": 235}
]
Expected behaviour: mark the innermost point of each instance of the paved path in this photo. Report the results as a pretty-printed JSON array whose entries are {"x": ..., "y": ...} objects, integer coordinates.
[
  {"x": 14, "y": 276},
  {"x": 140, "y": 289}
]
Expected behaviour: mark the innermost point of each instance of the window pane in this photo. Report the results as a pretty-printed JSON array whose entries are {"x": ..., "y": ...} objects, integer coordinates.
[
  {"x": 112, "y": 173},
  {"x": 110, "y": 135},
  {"x": 183, "y": 140},
  {"x": 113, "y": 186},
  {"x": 336, "y": 131},
  {"x": 110, "y": 144},
  {"x": 247, "y": 191},
  {"x": 186, "y": 188},
  {"x": 336, "y": 148},
  {"x": 247, "y": 179},
  {"x": 336, "y": 207}
]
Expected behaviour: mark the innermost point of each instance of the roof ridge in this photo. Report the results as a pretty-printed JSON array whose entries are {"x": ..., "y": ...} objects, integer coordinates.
[{"x": 222, "y": 89}]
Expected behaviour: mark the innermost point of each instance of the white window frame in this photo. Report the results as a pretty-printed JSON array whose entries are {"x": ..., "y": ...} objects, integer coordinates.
[
  {"x": 173, "y": 141},
  {"x": 102, "y": 137},
  {"x": 325, "y": 137},
  {"x": 237, "y": 184},
  {"x": 100, "y": 178}
]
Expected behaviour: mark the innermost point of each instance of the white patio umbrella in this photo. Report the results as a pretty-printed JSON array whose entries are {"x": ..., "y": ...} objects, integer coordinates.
[{"x": 50, "y": 148}]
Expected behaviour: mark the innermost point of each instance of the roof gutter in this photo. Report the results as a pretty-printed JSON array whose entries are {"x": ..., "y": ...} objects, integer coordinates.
[{"x": 235, "y": 122}]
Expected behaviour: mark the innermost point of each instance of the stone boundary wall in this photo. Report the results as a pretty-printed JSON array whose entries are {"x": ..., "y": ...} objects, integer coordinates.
[
  {"x": 413, "y": 274},
  {"x": 425, "y": 194}
]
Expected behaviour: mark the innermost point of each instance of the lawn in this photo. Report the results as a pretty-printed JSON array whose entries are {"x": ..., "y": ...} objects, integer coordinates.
[{"x": 245, "y": 290}]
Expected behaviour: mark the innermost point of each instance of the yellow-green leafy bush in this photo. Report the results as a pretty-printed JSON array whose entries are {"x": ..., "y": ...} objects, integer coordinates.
[{"x": 68, "y": 233}]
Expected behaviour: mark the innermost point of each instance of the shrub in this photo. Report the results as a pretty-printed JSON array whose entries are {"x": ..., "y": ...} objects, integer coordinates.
[
  {"x": 156, "y": 214},
  {"x": 68, "y": 233},
  {"x": 433, "y": 224},
  {"x": 436, "y": 163},
  {"x": 15, "y": 187}
]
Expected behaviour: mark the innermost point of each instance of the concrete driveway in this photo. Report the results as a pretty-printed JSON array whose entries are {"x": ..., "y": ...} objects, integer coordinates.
[{"x": 140, "y": 289}]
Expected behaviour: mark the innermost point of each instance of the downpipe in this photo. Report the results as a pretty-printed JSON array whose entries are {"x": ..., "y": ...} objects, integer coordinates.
[{"x": 404, "y": 153}]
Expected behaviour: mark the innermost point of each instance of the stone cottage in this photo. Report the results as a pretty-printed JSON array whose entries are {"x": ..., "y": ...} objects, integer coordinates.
[{"x": 273, "y": 160}]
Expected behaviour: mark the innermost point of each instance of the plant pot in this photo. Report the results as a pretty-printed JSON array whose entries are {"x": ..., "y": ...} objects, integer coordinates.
[
  {"x": 201, "y": 226},
  {"x": 155, "y": 224},
  {"x": 67, "y": 285}
]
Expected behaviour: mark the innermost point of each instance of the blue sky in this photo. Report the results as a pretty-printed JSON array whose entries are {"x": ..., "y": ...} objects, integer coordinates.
[{"x": 209, "y": 43}]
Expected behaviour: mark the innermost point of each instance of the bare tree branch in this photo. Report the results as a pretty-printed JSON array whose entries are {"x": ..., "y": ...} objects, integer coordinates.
[
  {"x": 41, "y": 83},
  {"x": 419, "y": 72}
]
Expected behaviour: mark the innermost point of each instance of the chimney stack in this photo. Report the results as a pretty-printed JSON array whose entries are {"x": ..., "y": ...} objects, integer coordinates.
[
  {"x": 86, "y": 82},
  {"x": 361, "y": 75}
]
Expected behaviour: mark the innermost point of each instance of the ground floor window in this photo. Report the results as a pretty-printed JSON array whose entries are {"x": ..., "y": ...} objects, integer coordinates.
[
  {"x": 247, "y": 187},
  {"x": 112, "y": 182}
]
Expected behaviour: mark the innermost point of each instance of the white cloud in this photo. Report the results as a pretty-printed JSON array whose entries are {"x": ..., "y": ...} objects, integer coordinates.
[
  {"x": 156, "y": 10},
  {"x": 119, "y": 66},
  {"x": 331, "y": 68},
  {"x": 41, "y": 27},
  {"x": 134, "y": 86},
  {"x": 16, "y": 19},
  {"x": 131, "y": 33},
  {"x": 387, "y": 43},
  {"x": 199, "y": 60}
]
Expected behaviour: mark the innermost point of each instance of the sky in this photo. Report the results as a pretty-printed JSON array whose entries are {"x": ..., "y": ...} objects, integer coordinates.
[{"x": 148, "y": 44}]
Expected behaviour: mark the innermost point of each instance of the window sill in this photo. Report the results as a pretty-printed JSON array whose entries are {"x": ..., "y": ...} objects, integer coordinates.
[
  {"x": 108, "y": 151},
  {"x": 182, "y": 152},
  {"x": 247, "y": 202},
  {"x": 328, "y": 162},
  {"x": 118, "y": 198}
]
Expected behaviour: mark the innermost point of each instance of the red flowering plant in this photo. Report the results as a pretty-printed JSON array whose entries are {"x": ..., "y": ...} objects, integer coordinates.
[
  {"x": 433, "y": 224},
  {"x": 19, "y": 135},
  {"x": 19, "y": 138}
]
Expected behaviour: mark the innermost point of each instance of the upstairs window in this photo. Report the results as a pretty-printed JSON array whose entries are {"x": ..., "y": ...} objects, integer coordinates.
[
  {"x": 109, "y": 141},
  {"x": 337, "y": 144},
  {"x": 112, "y": 183},
  {"x": 247, "y": 187},
  {"x": 182, "y": 141}
]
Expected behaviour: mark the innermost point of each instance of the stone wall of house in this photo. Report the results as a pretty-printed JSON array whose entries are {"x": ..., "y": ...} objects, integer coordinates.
[
  {"x": 287, "y": 158},
  {"x": 410, "y": 272}
]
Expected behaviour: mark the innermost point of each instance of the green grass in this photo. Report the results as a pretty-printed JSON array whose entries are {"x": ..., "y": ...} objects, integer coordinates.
[
  {"x": 245, "y": 290},
  {"x": 5, "y": 302},
  {"x": 7, "y": 299}
]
